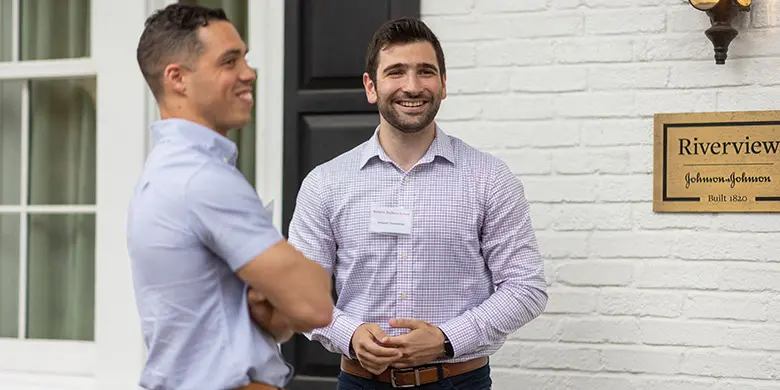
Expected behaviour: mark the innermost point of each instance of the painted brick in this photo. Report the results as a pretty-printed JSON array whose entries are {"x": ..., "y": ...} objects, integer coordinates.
[
  {"x": 565, "y": 91},
  {"x": 590, "y": 216},
  {"x": 595, "y": 273},
  {"x": 628, "y": 302},
  {"x": 626, "y": 21}
]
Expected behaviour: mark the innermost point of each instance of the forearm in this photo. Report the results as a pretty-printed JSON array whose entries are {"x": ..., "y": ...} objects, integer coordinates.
[
  {"x": 506, "y": 311},
  {"x": 337, "y": 336},
  {"x": 295, "y": 286}
]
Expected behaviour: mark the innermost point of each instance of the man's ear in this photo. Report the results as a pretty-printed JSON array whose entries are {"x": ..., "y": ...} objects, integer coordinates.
[
  {"x": 370, "y": 87},
  {"x": 173, "y": 77}
]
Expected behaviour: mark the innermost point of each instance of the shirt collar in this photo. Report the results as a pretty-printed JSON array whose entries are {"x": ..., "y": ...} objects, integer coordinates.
[
  {"x": 441, "y": 147},
  {"x": 193, "y": 134}
]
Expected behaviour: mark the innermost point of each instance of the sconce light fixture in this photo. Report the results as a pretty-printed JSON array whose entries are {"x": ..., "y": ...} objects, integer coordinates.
[{"x": 721, "y": 13}]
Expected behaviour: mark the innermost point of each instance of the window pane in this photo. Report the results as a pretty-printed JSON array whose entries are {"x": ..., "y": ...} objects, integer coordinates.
[
  {"x": 10, "y": 142},
  {"x": 61, "y": 272},
  {"x": 53, "y": 29},
  {"x": 236, "y": 11},
  {"x": 62, "y": 142},
  {"x": 9, "y": 275},
  {"x": 6, "y": 29}
]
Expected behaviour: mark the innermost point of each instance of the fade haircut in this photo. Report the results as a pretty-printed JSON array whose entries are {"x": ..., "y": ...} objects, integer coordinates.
[
  {"x": 401, "y": 31},
  {"x": 171, "y": 35}
]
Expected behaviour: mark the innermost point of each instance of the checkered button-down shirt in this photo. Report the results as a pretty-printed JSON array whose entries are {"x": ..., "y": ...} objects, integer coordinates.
[{"x": 471, "y": 264}]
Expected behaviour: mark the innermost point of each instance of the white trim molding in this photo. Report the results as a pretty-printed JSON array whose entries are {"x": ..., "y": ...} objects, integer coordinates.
[
  {"x": 75, "y": 358},
  {"x": 121, "y": 127},
  {"x": 266, "y": 54},
  {"x": 47, "y": 69}
]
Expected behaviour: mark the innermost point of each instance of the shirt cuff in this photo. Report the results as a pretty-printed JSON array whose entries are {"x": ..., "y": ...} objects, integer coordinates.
[
  {"x": 342, "y": 330},
  {"x": 464, "y": 336}
]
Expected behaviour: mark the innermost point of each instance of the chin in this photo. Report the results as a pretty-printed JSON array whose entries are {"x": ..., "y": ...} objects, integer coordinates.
[
  {"x": 240, "y": 122},
  {"x": 410, "y": 130}
]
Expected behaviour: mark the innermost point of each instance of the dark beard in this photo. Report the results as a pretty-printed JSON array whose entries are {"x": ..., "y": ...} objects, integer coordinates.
[{"x": 417, "y": 123}]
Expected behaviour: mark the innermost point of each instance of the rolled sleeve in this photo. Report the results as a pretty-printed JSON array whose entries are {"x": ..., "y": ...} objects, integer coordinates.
[{"x": 227, "y": 215}]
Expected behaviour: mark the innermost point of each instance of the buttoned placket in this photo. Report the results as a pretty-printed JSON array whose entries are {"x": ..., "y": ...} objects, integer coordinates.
[{"x": 404, "y": 249}]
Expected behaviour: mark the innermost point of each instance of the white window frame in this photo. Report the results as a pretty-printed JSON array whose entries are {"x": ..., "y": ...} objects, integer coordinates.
[
  {"x": 113, "y": 360},
  {"x": 125, "y": 108}
]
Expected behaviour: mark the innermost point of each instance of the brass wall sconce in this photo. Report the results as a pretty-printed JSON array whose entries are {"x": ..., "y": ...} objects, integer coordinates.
[{"x": 721, "y": 13}]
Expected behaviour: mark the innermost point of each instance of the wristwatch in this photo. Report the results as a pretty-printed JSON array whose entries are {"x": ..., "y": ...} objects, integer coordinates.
[{"x": 449, "y": 353}]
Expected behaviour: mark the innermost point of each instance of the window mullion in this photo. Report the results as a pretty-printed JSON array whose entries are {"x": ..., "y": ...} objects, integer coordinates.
[
  {"x": 15, "y": 30},
  {"x": 23, "y": 220}
]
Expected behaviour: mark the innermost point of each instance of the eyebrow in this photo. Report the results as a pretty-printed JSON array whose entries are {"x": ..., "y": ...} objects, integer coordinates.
[
  {"x": 232, "y": 52},
  {"x": 423, "y": 65}
]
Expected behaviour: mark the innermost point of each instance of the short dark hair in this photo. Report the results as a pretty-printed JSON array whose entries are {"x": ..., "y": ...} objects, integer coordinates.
[
  {"x": 170, "y": 33},
  {"x": 400, "y": 31}
]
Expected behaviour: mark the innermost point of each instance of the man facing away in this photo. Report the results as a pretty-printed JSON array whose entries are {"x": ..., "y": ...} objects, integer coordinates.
[
  {"x": 430, "y": 240},
  {"x": 198, "y": 235}
]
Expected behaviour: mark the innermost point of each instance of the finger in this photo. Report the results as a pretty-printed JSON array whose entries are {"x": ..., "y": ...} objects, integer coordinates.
[
  {"x": 259, "y": 310},
  {"x": 408, "y": 323},
  {"x": 379, "y": 351},
  {"x": 402, "y": 364},
  {"x": 378, "y": 361},
  {"x": 376, "y": 370},
  {"x": 255, "y": 297},
  {"x": 374, "y": 363},
  {"x": 380, "y": 369},
  {"x": 396, "y": 341},
  {"x": 376, "y": 332}
]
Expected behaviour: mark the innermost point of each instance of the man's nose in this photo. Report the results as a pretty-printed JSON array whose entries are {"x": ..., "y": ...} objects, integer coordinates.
[
  {"x": 413, "y": 84},
  {"x": 248, "y": 74}
]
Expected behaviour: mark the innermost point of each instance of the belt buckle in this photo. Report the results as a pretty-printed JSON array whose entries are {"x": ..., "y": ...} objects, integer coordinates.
[{"x": 397, "y": 386}]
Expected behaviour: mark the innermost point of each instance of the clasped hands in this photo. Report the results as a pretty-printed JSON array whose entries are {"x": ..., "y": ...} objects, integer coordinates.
[{"x": 376, "y": 351}]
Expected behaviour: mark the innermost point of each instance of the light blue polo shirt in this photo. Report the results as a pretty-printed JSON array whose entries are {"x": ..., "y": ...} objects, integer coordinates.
[{"x": 193, "y": 221}]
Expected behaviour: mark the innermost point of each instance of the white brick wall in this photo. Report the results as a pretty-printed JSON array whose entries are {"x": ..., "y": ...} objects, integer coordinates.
[{"x": 564, "y": 91}]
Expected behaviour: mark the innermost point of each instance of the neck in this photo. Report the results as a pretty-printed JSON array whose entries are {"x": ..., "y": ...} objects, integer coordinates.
[
  {"x": 405, "y": 149},
  {"x": 178, "y": 111}
]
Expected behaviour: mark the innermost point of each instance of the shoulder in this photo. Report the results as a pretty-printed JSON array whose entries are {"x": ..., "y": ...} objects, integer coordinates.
[
  {"x": 344, "y": 165},
  {"x": 345, "y": 162},
  {"x": 484, "y": 165}
]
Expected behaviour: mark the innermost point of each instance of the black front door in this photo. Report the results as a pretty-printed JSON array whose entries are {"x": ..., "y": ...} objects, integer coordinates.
[{"x": 325, "y": 114}]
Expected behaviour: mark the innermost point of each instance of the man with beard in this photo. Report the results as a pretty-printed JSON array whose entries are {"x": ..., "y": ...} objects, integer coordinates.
[
  {"x": 430, "y": 240},
  {"x": 197, "y": 233}
]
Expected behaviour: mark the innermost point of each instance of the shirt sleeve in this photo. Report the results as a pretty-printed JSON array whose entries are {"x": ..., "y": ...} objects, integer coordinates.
[
  {"x": 227, "y": 215},
  {"x": 310, "y": 232},
  {"x": 512, "y": 255}
]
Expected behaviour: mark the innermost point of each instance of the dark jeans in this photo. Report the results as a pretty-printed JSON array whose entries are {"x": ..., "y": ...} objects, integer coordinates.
[{"x": 478, "y": 379}]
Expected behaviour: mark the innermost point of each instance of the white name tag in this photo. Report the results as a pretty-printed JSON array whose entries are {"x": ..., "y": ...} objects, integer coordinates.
[{"x": 390, "y": 220}]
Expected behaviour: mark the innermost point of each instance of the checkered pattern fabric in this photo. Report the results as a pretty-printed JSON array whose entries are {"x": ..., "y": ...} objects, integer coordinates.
[{"x": 471, "y": 264}]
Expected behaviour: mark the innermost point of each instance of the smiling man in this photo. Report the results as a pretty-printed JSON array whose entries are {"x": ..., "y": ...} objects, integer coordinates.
[
  {"x": 198, "y": 235},
  {"x": 430, "y": 240}
]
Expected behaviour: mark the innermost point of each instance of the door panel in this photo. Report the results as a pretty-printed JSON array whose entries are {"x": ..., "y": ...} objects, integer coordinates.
[
  {"x": 325, "y": 114},
  {"x": 325, "y": 136}
]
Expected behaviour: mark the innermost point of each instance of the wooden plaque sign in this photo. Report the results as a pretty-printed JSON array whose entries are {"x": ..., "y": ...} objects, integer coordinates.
[{"x": 717, "y": 162}]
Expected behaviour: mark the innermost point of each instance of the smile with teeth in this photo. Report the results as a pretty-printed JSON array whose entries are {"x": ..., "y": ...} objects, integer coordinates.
[
  {"x": 411, "y": 104},
  {"x": 246, "y": 96}
]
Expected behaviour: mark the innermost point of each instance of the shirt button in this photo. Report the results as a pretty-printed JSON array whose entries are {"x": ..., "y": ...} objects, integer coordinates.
[
  {"x": 403, "y": 256},
  {"x": 403, "y": 296}
]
